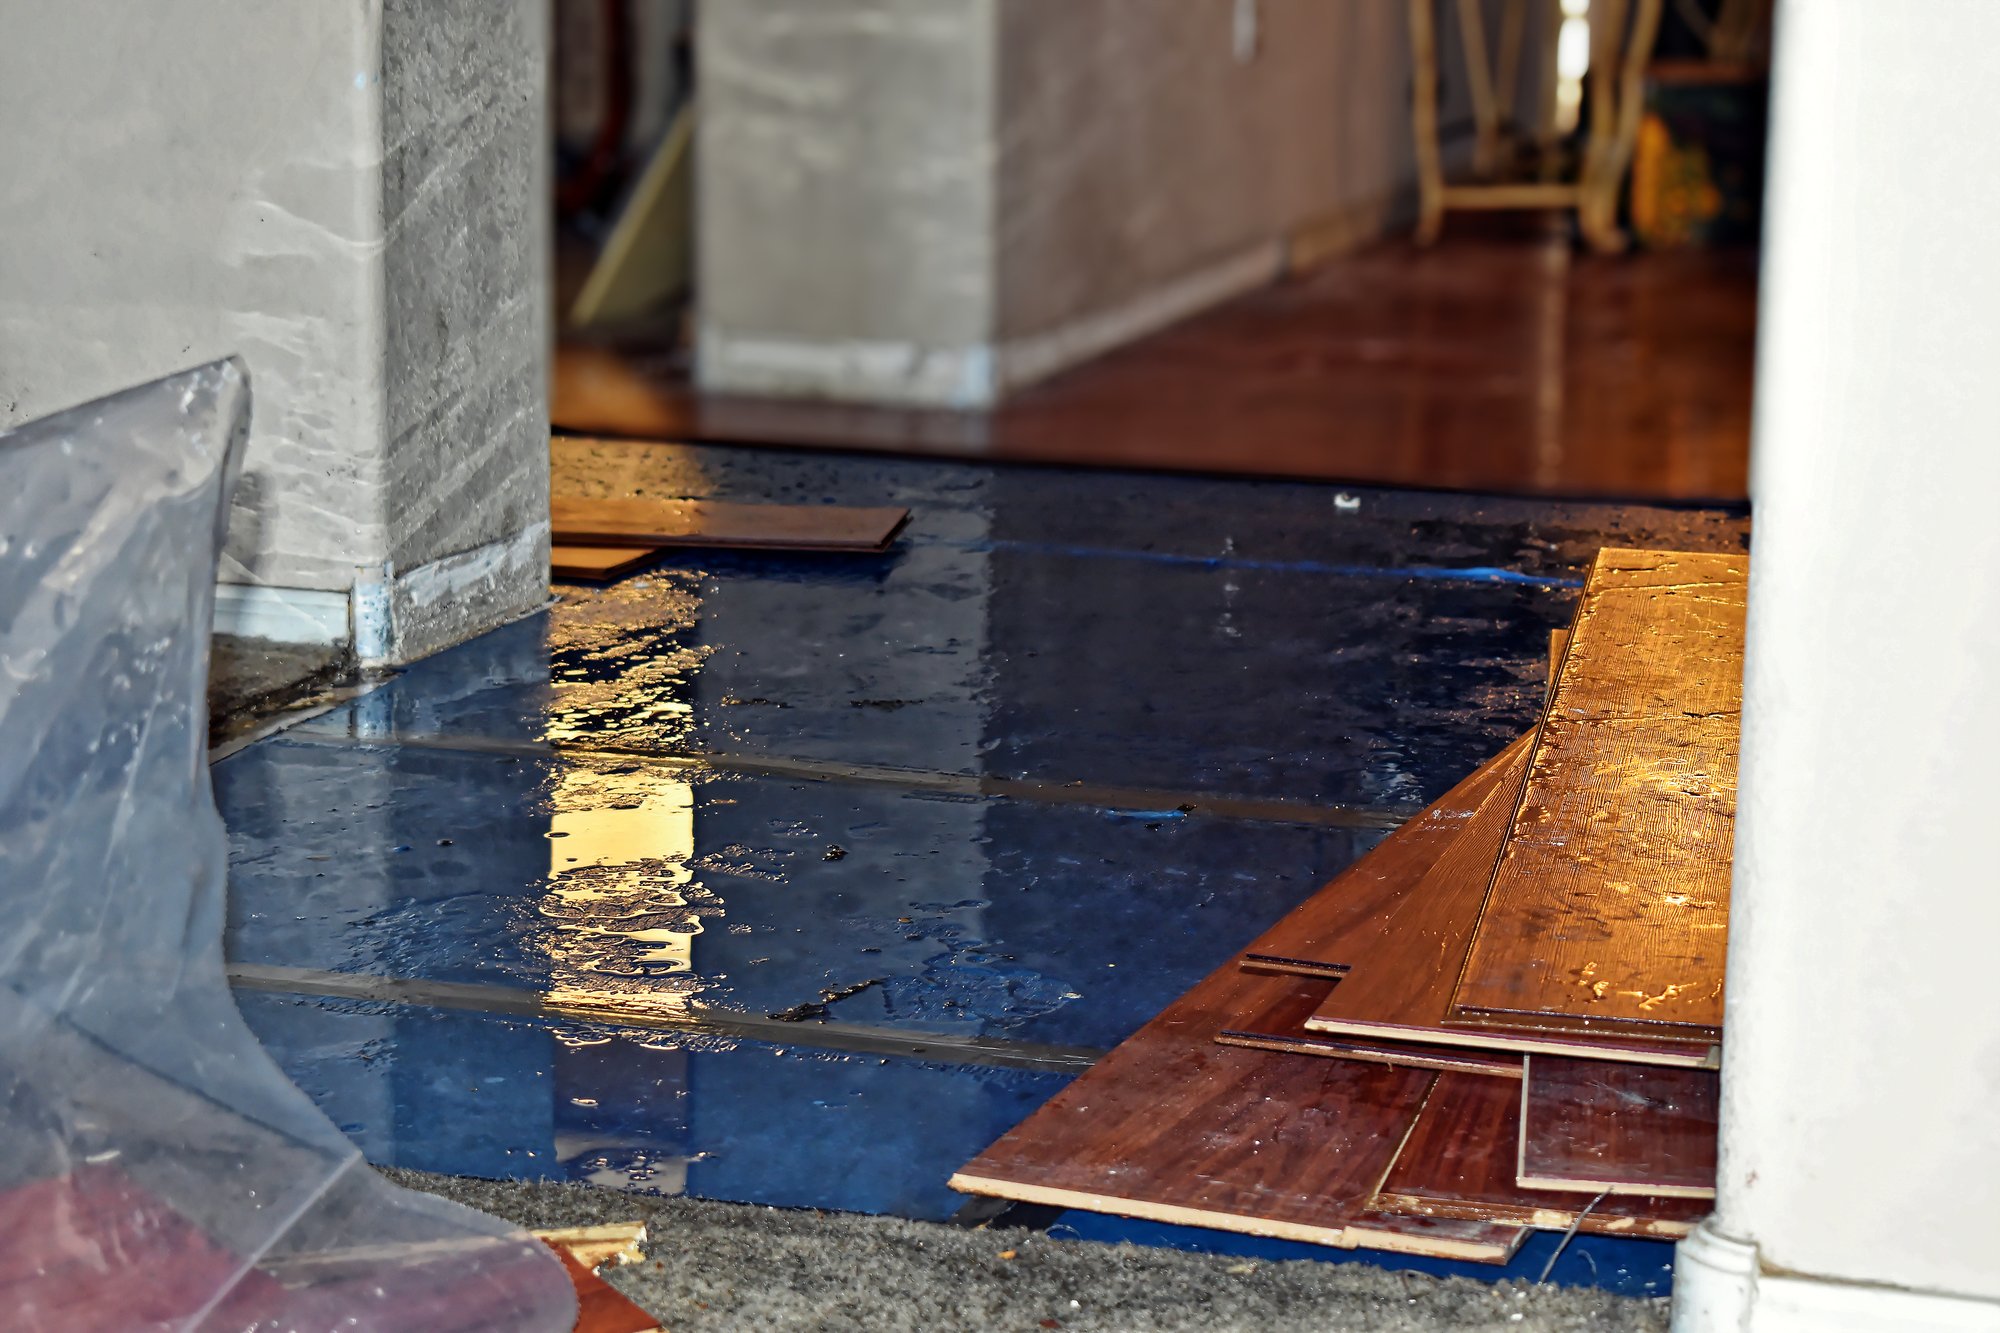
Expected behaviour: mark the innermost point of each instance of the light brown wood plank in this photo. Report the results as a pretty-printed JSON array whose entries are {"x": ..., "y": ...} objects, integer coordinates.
[
  {"x": 1608, "y": 907},
  {"x": 1396, "y": 927},
  {"x": 597, "y": 564},
  {"x": 1588, "y": 1126},
  {"x": 1459, "y": 1161},
  {"x": 645, "y": 522}
]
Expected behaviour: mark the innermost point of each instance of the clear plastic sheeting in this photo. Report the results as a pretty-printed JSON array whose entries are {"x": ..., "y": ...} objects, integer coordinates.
[{"x": 157, "y": 1170}]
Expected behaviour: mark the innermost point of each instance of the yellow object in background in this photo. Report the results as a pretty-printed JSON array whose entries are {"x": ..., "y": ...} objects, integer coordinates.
[{"x": 1674, "y": 194}]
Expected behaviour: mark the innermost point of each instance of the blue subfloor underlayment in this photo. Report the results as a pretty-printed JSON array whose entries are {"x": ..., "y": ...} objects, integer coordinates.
[{"x": 1005, "y": 792}]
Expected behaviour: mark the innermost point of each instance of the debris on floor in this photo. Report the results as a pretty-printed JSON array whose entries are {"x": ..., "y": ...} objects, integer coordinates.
[{"x": 1506, "y": 1017}]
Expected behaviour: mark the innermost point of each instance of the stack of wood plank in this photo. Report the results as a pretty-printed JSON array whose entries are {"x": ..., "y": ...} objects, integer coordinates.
[
  {"x": 598, "y": 540},
  {"x": 1507, "y": 1017}
]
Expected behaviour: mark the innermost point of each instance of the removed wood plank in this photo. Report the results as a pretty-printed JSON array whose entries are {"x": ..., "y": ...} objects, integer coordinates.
[
  {"x": 598, "y": 564},
  {"x": 1394, "y": 929},
  {"x": 1608, "y": 907},
  {"x": 1459, "y": 1161},
  {"x": 1174, "y": 1128},
  {"x": 642, "y": 522},
  {"x": 1588, "y": 1126}
]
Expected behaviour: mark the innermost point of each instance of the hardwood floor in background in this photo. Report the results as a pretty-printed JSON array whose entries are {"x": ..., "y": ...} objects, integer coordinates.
[{"x": 1493, "y": 363}]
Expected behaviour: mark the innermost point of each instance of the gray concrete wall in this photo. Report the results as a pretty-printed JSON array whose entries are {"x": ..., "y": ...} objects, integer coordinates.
[
  {"x": 181, "y": 181},
  {"x": 1142, "y": 147},
  {"x": 932, "y": 201},
  {"x": 466, "y": 206},
  {"x": 845, "y": 211}
]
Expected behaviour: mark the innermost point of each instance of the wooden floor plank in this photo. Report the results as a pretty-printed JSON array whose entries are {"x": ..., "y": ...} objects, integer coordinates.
[
  {"x": 1608, "y": 906},
  {"x": 1490, "y": 365},
  {"x": 1588, "y": 1126},
  {"x": 579, "y": 521},
  {"x": 1279, "y": 1025},
  {"x": 597, "y": 564},
  {"x": 1459, "y": 1161},
  {"x": 1395, "y": 928},
  {"x": 1174, "y": 1127}
]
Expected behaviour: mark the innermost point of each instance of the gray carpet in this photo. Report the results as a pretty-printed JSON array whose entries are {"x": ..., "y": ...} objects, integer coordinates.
[{"x": 713, "y": 1266}]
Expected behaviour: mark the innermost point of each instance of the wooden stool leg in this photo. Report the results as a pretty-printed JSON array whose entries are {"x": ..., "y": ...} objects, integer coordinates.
[
  {"x": 1424, "y": 121},
  {"x": 1479, "y": 83},
  {"x": 1598, "y": 210}
]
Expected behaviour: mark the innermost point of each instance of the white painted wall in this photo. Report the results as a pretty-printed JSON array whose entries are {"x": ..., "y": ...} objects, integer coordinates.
[{"x": 1861, "y": 1107}]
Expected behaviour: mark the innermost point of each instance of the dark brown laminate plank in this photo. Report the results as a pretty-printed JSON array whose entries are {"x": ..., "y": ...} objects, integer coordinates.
[
  {"x": 1459, "y": 1161},
  {"x": 1608, "y": 906},
  {"x": 1175, "y": 1127},
  {"x": 597, "y": 564},
  {"x": 647, "y": 522},
  {"x": 1588, "y": 1126},
  {"x": 1279, "y": 1025}
]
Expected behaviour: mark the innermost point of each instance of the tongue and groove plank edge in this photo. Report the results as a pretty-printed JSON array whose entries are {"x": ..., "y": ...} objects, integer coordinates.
[{"x": 721, "y": 523}]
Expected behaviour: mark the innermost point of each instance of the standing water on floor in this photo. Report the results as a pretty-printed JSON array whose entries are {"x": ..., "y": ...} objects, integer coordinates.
[{"x": 798, "y": 879}]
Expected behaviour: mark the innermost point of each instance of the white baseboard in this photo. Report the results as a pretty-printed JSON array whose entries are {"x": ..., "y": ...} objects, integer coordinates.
[
  {"x": 854, "y": 370},
  {"x": 1034, "y": 356},
  {"x": 1720, "y": 1287},
  {"x": 969, "y": 375},
  {"x": 392, "y": 617},
  {"x": 284, "y": 615}
]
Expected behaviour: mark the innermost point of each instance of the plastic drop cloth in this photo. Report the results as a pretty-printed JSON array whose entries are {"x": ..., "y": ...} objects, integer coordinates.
[{"x": 157, "y": 1170}]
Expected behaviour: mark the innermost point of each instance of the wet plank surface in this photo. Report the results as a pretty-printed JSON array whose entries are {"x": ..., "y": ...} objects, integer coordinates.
[
  {"x": 597, "y": 564},
  {"x": 1395, "y": 929},
  {"x": 1589, "y": 1126},
  {"x": 1497, "y": 364},
  {"x": 1459, "y": 1161},
  {"x": 718, "y": 523},
  {"x": 1609, "y": 905}
]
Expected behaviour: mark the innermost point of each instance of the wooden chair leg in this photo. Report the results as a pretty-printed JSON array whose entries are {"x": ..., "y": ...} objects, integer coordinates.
[{"x": 1424, "y": 121}]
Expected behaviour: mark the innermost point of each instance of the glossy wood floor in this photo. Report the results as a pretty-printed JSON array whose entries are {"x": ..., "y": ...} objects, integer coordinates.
[{"x": 1496, "y": 362}]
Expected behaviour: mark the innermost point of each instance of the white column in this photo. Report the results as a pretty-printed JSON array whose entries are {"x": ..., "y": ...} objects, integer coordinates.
[{"x": 1861, "y": 1080}]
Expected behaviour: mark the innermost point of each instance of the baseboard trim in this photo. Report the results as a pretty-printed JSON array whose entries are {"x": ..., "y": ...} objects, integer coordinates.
[
  {"x": 390, "y": 617},
  {"x": 1720, "y": 1286},
  {"x": 852, "y": 369},
  {"x": 1023, "y": 360},
  {"x": 283, "y": 615}
]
